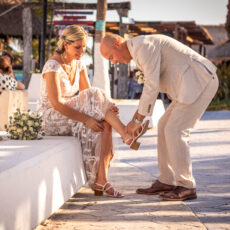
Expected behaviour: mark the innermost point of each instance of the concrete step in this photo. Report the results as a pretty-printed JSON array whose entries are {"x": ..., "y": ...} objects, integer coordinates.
[{"x": 36, "y": 178}]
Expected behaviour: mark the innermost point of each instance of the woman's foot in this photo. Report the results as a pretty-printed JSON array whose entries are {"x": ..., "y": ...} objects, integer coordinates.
[
  {"x": 132, "y": 142},
  {"x": 107, "y": 188}
]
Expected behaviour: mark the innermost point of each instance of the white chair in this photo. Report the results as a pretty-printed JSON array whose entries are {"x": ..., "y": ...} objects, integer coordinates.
[{"x": 34, "y": 90}]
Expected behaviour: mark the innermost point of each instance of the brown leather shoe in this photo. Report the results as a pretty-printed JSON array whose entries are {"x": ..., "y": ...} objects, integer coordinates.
[
  {"x": 156, "y": 188},
  {"x": 180, "y": 193}
]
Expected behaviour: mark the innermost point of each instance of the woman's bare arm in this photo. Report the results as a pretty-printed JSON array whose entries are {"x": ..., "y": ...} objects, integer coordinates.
[
  {"x": 54, "y": 96},
  {"x": 84, "y": 80},
  {"x": 20, "y": 86}
]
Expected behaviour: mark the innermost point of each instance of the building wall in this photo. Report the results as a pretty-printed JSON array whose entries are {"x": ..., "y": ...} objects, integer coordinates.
[{"x": 219, "y": 35}]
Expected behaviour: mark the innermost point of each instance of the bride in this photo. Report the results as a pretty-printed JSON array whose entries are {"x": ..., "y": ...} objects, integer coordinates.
[{"x": 88, "y": 115}]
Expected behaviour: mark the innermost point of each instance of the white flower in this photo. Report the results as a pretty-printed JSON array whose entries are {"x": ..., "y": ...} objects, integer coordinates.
[
  {"x": 139, "y": 77},
  {"x": 24, "y": 117},
  {"x": 30, "y": 123},
  {"x": 19, "y": 130}
]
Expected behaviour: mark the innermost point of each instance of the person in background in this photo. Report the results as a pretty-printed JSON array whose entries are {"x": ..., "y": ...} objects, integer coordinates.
[
  {"x": 10, "y": 59},
  {"x": 6, "y": 80}
]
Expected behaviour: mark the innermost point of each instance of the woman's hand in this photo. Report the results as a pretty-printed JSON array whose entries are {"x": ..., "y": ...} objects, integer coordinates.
[
  {"x": 114, "y": 109},
  {"x": 94, "y": 125}
]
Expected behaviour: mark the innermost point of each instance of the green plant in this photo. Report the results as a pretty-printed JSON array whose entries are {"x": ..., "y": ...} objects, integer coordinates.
[{"x": 223, "y": 73}]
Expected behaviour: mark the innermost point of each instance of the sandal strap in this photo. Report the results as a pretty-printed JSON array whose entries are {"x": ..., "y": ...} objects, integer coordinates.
[
  {"x": 105, "y": 185},
  {"x": 101, "y": 187},
  {"x": 127, "y": 140},
  {"x": 109, "y": 187},
  {"x": 115, "y": 192},
  {"x": 106, "y": 189}
]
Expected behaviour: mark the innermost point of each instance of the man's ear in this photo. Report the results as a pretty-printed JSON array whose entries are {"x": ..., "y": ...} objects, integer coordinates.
[{"x": 116, "y": 43}]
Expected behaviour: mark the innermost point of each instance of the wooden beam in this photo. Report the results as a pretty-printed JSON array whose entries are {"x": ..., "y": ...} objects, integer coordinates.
[{"x": 92, "y": 6}]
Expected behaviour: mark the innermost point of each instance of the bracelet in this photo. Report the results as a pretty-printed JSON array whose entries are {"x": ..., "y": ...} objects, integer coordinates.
[{"x": 137, "y": 121}]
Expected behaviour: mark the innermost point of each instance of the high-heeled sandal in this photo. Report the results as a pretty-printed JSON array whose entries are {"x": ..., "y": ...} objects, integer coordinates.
[
  {"x": 105, "y": 188},
  {"x": 134, "y": 144}
]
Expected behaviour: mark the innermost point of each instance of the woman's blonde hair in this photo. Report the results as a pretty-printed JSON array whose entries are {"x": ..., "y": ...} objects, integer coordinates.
[{"x": 69, "y": 35}]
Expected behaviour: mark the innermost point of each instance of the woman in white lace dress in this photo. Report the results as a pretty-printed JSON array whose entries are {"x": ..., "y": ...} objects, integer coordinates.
[{"x": 88, "y": 116}]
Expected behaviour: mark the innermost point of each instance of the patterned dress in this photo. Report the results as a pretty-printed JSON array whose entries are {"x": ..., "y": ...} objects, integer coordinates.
[
  {"x": 7, "y": 83},
  {"x": 92, "y": 101}
]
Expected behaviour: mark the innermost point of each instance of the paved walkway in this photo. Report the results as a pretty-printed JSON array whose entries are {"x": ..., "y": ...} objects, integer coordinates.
[{"x": 131, "y": 169}]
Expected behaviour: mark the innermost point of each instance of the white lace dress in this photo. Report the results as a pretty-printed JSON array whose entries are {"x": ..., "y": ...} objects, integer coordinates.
[{"x": 92, "y": 101}]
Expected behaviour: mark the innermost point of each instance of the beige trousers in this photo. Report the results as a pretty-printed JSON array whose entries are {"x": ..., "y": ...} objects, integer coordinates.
[{"x": 173, "y": 135}]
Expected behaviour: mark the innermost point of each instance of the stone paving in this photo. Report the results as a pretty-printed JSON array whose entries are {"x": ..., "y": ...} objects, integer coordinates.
[{"x": 131, "y": 169}]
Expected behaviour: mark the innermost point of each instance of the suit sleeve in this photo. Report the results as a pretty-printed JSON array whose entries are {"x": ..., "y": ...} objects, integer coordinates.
[{"x": 149, "y": 58}]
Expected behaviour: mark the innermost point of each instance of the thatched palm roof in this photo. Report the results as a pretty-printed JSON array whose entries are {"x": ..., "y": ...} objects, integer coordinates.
[
  {"x": 11, "y": 22},
  {"x": 9, "y": 2}
]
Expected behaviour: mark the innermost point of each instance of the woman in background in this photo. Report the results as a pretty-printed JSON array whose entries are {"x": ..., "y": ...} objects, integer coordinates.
[{"x": 6, "y": 80}]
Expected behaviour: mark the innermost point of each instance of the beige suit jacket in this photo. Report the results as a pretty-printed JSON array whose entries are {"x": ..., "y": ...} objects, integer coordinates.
[{"x": 169, "y": 67}]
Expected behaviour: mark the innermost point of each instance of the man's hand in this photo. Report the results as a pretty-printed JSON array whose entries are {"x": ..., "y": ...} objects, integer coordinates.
[{"x": 132, "y": 128}]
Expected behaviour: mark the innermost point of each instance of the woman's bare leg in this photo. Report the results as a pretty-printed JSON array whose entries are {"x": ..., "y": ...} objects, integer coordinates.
[
  {"x": 116, "y": 123},
  {"x": 106, "y": 154}
]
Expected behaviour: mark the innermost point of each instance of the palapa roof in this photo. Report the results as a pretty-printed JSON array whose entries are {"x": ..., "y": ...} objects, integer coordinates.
[
  {"x": 195, "y": 33},
  {"x": 11, "y": 22},
  {"x": 10, "y": 2}
]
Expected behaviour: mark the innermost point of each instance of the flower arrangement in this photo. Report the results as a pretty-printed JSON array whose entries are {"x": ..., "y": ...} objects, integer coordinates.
[
  {"x": 139, "y": 77},
  {"x": 25, "y": 126}
]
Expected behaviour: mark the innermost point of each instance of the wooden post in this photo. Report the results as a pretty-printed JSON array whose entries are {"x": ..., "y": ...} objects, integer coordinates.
[
  {"x": 43, "y": 34},
  {"x": 101, "y": 65},
  {"x": 227, "y": 24},
  {"x": 123, "y": 78},
  {"x": 176, "y": 32},
  {"x": 27, "y": 41}
]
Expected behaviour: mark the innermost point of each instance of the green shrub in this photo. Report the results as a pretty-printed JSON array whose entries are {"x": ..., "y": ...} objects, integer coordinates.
[
  {"x": 221, "y": 101},
  {"x": 223, "y": 73}
]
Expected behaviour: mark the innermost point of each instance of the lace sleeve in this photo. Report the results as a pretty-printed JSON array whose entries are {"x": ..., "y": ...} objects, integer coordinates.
[{"x": 51, "y": 66}]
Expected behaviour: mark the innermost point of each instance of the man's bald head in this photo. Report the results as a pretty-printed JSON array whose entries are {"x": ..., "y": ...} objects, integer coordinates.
[
  {"x": 114, "y": 48},
  {"x": 107, "y": 42}
]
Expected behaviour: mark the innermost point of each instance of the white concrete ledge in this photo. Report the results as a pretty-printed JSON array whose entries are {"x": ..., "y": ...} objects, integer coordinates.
[
  {"x": 127, "y": 108},
  {"x": 36, "y": 178}
]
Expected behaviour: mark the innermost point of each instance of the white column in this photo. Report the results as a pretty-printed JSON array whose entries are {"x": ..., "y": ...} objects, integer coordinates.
[{"x": 101, "y": 70}]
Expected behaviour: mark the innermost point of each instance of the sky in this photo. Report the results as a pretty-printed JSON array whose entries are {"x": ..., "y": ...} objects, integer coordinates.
[{"x": 204, "y": 12}]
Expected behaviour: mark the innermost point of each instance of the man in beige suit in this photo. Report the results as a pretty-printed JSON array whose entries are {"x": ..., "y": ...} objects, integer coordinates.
[{"x": 190, "y": 81}]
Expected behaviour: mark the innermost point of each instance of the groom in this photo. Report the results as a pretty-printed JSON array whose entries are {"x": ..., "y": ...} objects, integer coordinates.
[{"x": 190, "y": 81}]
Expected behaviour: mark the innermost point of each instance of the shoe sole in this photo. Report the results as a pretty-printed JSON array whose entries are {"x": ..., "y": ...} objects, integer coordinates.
[
  {"x": 190, "y": 197},
  {"x": 153, "y": 193}
]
